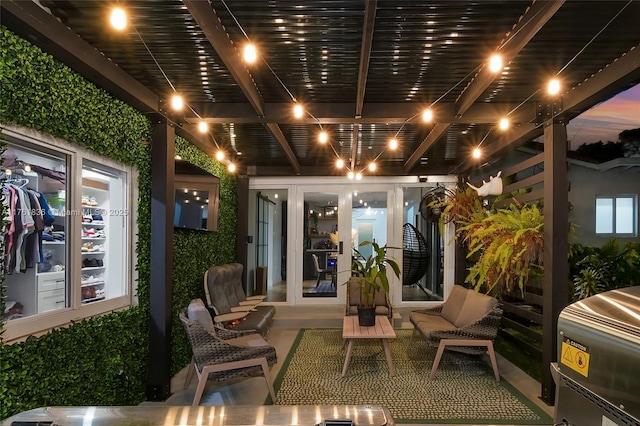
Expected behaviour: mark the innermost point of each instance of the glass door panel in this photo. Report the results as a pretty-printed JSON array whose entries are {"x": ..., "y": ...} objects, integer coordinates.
[
  {"x": 319, "y": 245},
  {"x": 423, "y": 247},
  {"x": 267, "y": 246}
]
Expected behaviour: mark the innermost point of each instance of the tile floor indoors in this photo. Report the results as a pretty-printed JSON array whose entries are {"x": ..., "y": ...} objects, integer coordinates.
[{"x": 287, "y": 323}]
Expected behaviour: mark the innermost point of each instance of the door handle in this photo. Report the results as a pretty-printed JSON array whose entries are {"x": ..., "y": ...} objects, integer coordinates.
[{"x": 340, "y": 248}]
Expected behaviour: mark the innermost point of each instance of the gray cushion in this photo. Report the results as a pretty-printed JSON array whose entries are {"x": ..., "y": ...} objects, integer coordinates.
[
  {"x": 196, "y": 311},
  {"x": 476, "y": 306},
  {"x": 452, "y": 307}
]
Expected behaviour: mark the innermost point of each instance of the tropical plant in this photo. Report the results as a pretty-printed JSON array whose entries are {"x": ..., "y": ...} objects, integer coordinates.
[
  {"x": 598, "y": 269},
  {"x": 372, "y": 271},
  {"x": 509, "y": 243},
  {"x": 505, "y": 244}
]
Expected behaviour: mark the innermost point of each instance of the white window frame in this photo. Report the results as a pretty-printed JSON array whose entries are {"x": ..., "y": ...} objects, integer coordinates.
[
  {"x": 614, "y": 199},
  {"x": 19, "y": 329}
]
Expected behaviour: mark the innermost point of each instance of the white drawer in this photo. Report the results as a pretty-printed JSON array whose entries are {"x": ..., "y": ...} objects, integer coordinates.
[
  {"x": 50, "y": 300},
  {"x": 51, "y": 281}
]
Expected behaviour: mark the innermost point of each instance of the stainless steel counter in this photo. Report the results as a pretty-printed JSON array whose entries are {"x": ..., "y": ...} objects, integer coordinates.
[{"x": 148, "y": 415}]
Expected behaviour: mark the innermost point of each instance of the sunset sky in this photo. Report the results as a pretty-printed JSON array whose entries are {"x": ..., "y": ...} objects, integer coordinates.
[{"x": 605, "y": 121}]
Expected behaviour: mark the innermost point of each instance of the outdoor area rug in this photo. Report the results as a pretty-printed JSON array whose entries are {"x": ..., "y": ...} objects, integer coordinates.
[{"x": 463, "y": 391}]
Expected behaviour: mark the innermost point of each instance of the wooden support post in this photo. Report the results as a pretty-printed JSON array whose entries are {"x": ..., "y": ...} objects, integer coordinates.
[
  {"x": 162, "y": 206},
  {"x": 556, "y": 247}
]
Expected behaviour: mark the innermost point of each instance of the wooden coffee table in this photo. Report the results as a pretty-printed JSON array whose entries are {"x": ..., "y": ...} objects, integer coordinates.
[{"x": 381, "y": 330}]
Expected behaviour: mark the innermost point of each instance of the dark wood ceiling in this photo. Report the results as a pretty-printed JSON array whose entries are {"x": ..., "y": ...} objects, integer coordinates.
[{"x": 364, "y": 70}]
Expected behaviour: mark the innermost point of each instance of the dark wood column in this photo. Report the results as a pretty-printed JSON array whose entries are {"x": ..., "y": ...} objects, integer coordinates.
[
  {"x": 162, "y": 201},
  {"x": 556, "y": 246},
  {"x": 243, "y": 227}
]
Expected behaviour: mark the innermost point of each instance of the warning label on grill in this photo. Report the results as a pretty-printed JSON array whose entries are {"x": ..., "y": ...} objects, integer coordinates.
[{"x": 575, "y": 356}]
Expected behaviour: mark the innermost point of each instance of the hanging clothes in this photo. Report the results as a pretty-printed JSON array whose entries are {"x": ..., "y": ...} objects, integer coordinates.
[{"x": 27, "y": 215}]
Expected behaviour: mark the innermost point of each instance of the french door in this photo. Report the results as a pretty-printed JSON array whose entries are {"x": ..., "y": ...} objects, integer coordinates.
[{"x": 334, "y": 220}]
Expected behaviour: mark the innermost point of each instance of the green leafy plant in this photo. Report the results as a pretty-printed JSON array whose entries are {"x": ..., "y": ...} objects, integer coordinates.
[
  {"x": 372, "y": 271},
  {"x": 598, "y": 269},
  {"x": 505, "y": 245}
]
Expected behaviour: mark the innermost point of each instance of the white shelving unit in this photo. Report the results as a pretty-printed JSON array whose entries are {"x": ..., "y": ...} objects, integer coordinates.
[{"x": 95, "y": 202}]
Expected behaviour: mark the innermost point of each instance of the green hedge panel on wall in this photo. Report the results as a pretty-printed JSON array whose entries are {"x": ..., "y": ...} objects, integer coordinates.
[{"x": 103, "y": 360}]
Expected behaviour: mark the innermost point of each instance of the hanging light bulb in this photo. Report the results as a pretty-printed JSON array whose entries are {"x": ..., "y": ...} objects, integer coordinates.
[
  {"x": 231, "y": 167},
  {"x": 476, "y": 153},
  {"x": 372, "y": 167},
  {"x": 118, "y": 18},
  {"x": 177, "y": 103},
  {"x": 250, "y": 54},
  {"x": 553, "y": 88},
  {"x": 323, "y": 137},
  {"x": 393, "y": 144},
  {"x": 340, "y": 163},
  {"x": 495, "y": 63},
  {"x": 219, "y": 155},
  {"x": 350, "y": 175},
  {"x": 358, "y": 176},
  {"x": 504, "y": 123},
  {"x": 203, "y": 127},
  {"x": 427, "y": 115},
  {"x": 298, "y": 111}
]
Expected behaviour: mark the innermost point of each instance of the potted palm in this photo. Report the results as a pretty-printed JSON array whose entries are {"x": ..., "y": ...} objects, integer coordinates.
[{"x": 370, "y": 275}]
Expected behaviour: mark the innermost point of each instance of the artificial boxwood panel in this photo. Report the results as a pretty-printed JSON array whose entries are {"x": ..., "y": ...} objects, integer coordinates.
[
  {"x": 103, "y": 360},
  {"x": 196, "y": 251}
]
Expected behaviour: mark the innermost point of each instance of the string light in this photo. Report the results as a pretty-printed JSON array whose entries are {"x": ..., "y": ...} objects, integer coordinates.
[
  {"x": 477, "y": 153},
  {"x": 427, "y": 115},
  {"x": 231, "y": 167},
  {"x": 177, "y": 103},
  {"x": 495, "y": 63},
  {"x": 118, "y": 18},
  {"x": 323, "y": 137},
  {"x": 298, "y": 111},
  {"x": 339, "y": 163},
  {"x": 250, "y": 54},
  {"x": 350, "y": 175},
  {"x": 393, "y": 144},
  {"x": 372, "y": 167},
  {"x": 553, "y": 88},
  {"x": 203, "y": 127},
  {"x": 219, "y": 155},
  {"x": 504, "y": 123}
]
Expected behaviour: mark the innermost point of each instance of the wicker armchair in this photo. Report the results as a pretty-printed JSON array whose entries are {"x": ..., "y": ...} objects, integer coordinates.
[
  {"x": 223, "y": 354},
  {"x": 467, "y": 322}
]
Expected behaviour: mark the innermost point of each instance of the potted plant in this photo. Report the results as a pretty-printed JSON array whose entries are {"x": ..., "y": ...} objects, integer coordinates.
[{"x": 370, "y": 275}]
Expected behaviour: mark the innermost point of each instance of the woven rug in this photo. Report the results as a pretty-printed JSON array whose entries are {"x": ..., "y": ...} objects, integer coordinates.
[{"x": 463, "y": 391}]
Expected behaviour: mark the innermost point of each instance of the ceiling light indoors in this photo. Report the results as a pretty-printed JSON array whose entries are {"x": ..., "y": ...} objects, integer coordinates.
[
  {"x": 220, "y": 155},
  {"x": 177, "y": 103},
  {"x": 203, "y": 127},
  {"x": 495, "y": 63},
  {"x": 553, "y": 88},
  {"x": 427, "y": 115},
  {"x": 504, "y": 123},
  {"x": 27, "y": 168},
  {"x": 250, "y": 54},
  {"x": 393, "y": 144},
  {"x": 323, "y": 137},
  {"x": 118, "y": 18},
  {"x": 476, "y": 153},
  {"x": 298, "y": 111}
]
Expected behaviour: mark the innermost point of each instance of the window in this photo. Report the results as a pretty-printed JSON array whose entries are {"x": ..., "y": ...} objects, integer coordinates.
[
  {"x": 617, "y": 215},
  {"x": 68, "y": 243}
]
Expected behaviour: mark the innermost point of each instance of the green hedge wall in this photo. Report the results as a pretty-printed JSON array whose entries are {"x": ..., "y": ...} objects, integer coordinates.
[{"x": 102, "y": 360}]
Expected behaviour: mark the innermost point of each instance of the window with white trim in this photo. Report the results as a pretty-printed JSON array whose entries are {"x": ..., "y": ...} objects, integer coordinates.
[
  {"x": 69, "y": 244},
  {"x": 617, "y": 215}
]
